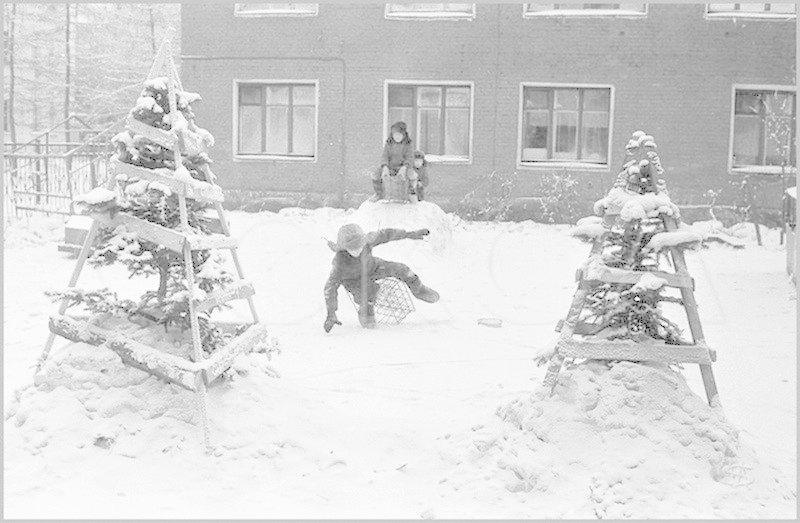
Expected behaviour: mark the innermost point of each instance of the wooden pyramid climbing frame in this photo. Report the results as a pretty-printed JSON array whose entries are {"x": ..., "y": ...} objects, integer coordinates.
[
  {"x": 195, "y": 374},
  {"x": 578, "y": 337}
]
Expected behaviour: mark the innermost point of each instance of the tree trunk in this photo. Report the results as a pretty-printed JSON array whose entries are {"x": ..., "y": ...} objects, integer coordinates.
[
  {"x": 12, "y": 124},
  {"x": 68, "y": 73},
  {"x": 152, "y": 30},
  {"x": 163, "y": 275}
]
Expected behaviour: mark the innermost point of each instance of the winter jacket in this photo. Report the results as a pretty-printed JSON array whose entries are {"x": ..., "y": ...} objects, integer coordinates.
[
  {"x": 346, "y": 267},
  {"x": 397, "y": 154},
  {"x": 422, "y": 174}
]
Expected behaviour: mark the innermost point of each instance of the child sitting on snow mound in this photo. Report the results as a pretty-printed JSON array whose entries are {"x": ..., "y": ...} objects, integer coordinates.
[
  {"x": 356, "y": 269},
  {"x": 397, "y": 159}
]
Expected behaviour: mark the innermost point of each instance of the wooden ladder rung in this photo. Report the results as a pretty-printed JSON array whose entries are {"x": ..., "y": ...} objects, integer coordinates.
[
  {"x": 239, "y": 290},
  {"x": 162, "y": 137},
  {"x": 613, "y": 275},
  {"x": 630, "y": 350},
  {"x": 169, "y": 367},
  {"x": 222, "y": 358}
]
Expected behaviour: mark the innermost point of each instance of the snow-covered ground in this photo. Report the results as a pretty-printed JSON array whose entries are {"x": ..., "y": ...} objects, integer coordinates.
[{"x": 439, "y": 417}]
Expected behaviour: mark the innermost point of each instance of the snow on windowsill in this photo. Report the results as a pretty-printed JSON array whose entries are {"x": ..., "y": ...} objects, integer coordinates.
[
  {"x": 440, "y": 159},
  {"x": 586, "y": 12},
  {"x": 266, "y": 157},
  {"x": 763, "y": 169},
  {"x": 763, "y": 16},
  {"x": 267, "y": 14},
  {"x": 564, "y": 165},
  {"x": 430, "y": 16}
]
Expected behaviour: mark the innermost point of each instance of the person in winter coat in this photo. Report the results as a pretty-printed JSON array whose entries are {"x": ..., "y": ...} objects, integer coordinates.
[
  {"x": 421, "y": 168},
  {"x": 397, "y": 158},
  {"x": 356, "y": 269}
]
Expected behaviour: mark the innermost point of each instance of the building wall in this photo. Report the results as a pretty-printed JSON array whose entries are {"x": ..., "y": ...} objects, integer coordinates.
[{"x": 672, "y": 73}]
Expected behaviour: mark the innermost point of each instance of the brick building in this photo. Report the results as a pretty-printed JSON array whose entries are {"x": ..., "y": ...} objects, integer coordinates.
[{"x": 300, "y": 96}]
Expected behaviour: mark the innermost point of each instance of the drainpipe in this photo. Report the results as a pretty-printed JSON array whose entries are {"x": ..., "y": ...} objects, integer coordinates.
[{"x": 338, "y": 59}]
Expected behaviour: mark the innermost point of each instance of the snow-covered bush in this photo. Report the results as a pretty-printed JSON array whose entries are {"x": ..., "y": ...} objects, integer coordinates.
[{"x": 490, "y": 200}]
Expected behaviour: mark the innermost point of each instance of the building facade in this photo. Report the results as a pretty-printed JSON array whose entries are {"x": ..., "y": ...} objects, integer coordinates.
[{"x": 300, "y": 96}]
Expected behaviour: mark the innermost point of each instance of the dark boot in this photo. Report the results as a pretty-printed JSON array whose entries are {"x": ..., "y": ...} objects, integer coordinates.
[
  {"x": 378, "y": 186},
  {"x": 422, "y": 292},
  {"x": 366, "y": 316},
  {"x": 420, "y": 192}
]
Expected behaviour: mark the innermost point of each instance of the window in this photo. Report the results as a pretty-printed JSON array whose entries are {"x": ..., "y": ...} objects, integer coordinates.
[
  {"x": 565, "y": 124},
  {"x": 438, "y": 118},
  {"x": 783, "y": 10},
  {"x": 462, "y": 11},
  {"x": 277, "y": 119},
  {"x": 275, "y": 9},
  {"x": 763, "y": 130},
  {"x": 585, "y": 9}
]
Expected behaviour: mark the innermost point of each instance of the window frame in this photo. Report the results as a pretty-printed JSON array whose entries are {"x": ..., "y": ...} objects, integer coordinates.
[
  {"x": 758, "y": 169},
  {"x": 763, "y": 15},
  {"x": 571, "y": 164},
  {"x": 270, "y": 14},
  {"x": 429, "y": 15},
  {"x": 237, "y": 156},
  {"x": 590, "y": 13},
  {"x": 433, "y": 158}
]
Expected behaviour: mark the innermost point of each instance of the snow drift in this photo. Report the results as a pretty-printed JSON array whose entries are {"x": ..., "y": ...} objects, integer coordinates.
[
  {"x": 372, "y": 216},
  {"x": 619, "y": 440}
]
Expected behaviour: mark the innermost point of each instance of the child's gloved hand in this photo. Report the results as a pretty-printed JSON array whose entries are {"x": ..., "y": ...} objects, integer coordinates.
[
  {"x": 330, "y": 321},
  {"x": 385, "y": 171},
  {"x": 419, "y": 234}
]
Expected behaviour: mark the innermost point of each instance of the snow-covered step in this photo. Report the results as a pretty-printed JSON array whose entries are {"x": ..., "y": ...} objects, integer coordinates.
[
  {"x": 630, "y": 350},
  {"x": 239, "y": 290},
  {"x": 194, "y": 189},
  {"x": 162, "y": 137}
]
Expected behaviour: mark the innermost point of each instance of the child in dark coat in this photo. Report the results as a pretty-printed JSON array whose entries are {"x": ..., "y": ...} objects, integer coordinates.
[
  {"x": 397, "y": 158},
  {"x": 356, "y": 269}
]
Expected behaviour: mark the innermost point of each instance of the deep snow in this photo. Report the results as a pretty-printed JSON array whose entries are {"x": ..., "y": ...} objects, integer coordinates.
[{"x": 438, "y": 417}]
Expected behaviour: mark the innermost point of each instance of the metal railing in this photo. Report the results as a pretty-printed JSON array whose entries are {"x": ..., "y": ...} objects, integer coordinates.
[{"x": 44, "y": 174}]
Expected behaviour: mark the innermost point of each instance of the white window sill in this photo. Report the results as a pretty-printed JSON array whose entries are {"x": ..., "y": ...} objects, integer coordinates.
[
  {"x": 586, "y": 12},
  {"x": 272, "y": 157},
  {"x": 440, "y": 159},
  {"x": 763, "y": 169},
  {"x": 268, "y": 14},
  {"x": 583, "y": 166},
  {"x": 430, "y": 16},
  {"x": 763, "y": 16}
]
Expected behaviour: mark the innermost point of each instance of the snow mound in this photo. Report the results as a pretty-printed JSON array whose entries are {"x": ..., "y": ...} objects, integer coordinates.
[
  {"x": 86, "y": 398},
  {"x": 372, "y": 216},
  {"x": 619, "y": 440},
  {"x": 33, "y": 230}
]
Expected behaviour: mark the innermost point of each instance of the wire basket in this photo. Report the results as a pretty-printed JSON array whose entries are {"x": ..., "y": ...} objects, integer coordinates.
[{"x": 393, "y": 301}]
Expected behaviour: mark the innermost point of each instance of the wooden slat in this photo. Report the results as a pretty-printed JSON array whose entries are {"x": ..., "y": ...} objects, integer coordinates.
[
  {"x": 194, "y": 189},
  {"x": 630, "y": 350},
  {"x": 163, "y": 138},
  {"x": 155, "y": 175},
  {"x": 78, "y": 330},
  {"x": 222, "y": 358},
  {"x": 212, "y": 241},
  {"x": 614, "y": 275},
  {"x": 239, "y": 290},
  {"x": 153, "y": 361},
  {"x": 171, "y": 239}
]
